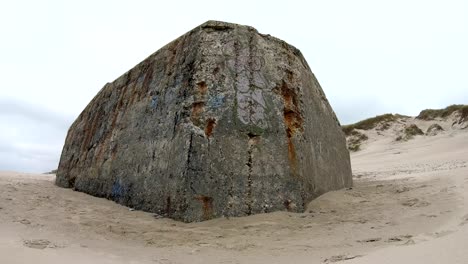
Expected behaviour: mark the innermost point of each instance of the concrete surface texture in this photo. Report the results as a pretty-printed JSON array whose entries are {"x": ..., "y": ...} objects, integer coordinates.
[{"x": 222, "y": 121}]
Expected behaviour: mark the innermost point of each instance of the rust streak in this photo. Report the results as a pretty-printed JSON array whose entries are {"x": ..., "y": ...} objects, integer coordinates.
[
  {"x": 202, "y": 88},
  {"x": 118, "y": 107},
  {"x": 207, "y": 203},
  {"x": 89, "y": 131},
  {"x": 197, "y": 110},
  {"x": 288, "y": 205},
  {"x": 210, "y": 126},
  {"x": 146, "y": 82},
  {"x": 133, "y": 94},
  {"x": 292, "y": 119}
]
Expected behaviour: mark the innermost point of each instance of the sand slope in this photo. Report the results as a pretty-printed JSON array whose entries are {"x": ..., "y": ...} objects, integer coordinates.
[{"x": 408, "y": 205}]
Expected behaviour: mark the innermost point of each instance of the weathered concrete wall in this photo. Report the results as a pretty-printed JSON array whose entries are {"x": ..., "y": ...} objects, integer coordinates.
[{"x": 223, "y": 121}]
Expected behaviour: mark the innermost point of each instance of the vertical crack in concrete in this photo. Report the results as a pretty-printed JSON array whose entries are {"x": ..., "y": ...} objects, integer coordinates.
[
  {"x": 253, "y": 140},
  {"x": 187, "y": 164},
  {"x": 230, "y": 194},
  {"x": 251, "y": 136},
  {"x": 176, "y": 122},
  {"x": 236, "y": 76},
  {"x": 250, "y": 78},
  {"x": 248, "y": 201}
]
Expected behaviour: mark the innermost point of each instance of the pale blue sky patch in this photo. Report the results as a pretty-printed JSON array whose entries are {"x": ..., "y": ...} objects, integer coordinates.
[{"x": 371, "y": 57}]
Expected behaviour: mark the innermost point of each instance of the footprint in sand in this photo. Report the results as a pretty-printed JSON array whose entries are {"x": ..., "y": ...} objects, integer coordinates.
[
  {"x": 24, "y": 221},
  {"x": 338, "y": 258},
  {"x": 429, "y": 216},
  {"x": 370, "y": 240},
  {"x": 415, "y": 202},
  {"x": 37, "y": 243},
  {"x": 399, "y": 238},
  {"x": 402, "y": 190}
]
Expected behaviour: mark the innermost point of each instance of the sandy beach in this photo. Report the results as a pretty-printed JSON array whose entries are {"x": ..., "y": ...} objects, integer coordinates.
[
  {"x": 240, "y": 132},
  {"x": 408, "y": 205}
]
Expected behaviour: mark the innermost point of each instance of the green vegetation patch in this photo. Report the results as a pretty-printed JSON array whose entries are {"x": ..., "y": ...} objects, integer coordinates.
[
  {"x": 371, "y": 123},
  {"x": 464, "y": 113},
  {"x": 355, "y": 140},
  {"x": 409, "y": 132},
  {"x": 431, "y": 114},
  {"x": 433, "y": 129}
]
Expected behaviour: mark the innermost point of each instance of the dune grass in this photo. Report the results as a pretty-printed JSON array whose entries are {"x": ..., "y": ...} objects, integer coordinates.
[
  {"x": 355, "y": 140},
  {"x": 433, "y": 129},
  {"x": 431, "y": 114},
  {"x": 409, "y": 132},
  {"x": 464, "y": 113},
  {"x": 370, "y": 123}
]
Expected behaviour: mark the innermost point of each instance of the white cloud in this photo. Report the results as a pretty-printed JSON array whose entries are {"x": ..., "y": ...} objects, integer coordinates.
[
  {"x": 31, "y": 136},
  {"x": 371, "y": 57}
]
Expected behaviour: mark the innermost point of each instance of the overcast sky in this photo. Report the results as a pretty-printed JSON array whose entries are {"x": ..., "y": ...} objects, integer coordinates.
[{"x": 371, "y": 57}]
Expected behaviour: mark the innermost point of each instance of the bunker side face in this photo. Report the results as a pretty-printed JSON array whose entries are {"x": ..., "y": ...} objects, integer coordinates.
[{"x": 223, "y": 121}]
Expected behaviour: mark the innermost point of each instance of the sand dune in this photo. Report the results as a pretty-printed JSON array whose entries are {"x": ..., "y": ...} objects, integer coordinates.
[{"x": 408, "y": 205}]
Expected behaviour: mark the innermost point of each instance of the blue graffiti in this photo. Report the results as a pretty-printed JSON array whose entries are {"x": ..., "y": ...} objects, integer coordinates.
[
  {"x": 154, "y": 101},
  {"x": 117, "y": 190},
  {"x": 216, "y": 101}
]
